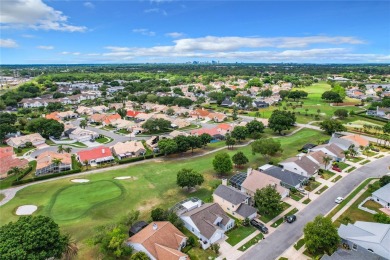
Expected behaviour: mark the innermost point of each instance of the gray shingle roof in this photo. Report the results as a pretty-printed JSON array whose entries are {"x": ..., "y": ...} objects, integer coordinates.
[
  {"x": 205, "y": 216},
  {"x": 230, "y": 194},
  {"x": 383, "y": 193},
  {"x": 288, "y": 177},
  {"x": 245, "y": 210}
]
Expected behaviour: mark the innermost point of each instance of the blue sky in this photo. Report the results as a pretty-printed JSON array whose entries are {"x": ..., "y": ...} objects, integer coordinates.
[{"x": 51, "y": 32}]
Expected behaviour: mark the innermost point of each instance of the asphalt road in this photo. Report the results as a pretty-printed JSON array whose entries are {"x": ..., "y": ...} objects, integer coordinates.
[{"x": 287, "y": 234}]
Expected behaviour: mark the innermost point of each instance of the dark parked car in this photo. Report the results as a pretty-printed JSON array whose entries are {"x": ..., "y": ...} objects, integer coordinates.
[
  {"x": 290, "y": 218},
  {"x": 260, "y": 226}
]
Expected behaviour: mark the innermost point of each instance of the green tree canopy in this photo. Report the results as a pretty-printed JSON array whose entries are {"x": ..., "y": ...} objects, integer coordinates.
[
  {"x": 239, "y": 159},
  {"x": 267, "y": 200},
  {"x": 189, "y": 178},
  {"x": 32, "y": 237},
  {"x": 222, "y": 163},
  {"x": 321, "y": 236},
  {"x": 167, "y": 146},
  {"x": 281, "y": 120},
  {"x": 331, "y": 126}
]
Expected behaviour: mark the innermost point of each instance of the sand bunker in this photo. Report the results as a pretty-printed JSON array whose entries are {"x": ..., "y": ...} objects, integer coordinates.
[
  {"x": 123, "y": 178},
  {"x": 26, "y": 210},
  {"x": 79, "y": 180}
]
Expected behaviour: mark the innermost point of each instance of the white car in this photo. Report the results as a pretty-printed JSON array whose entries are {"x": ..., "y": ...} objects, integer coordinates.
[{"x": 339, "y": 200}]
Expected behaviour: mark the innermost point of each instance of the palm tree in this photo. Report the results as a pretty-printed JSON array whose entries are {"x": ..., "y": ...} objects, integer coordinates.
[
  {"x": 86, "y": 163},
  {"x": 71, "y": 249},
  {"x": 83, "y": 123},
  {"x": 326, "y": 160},
  {"x": 60, "y": 149},
  {"x": 68, "y": 149},
  {"x": 56, "y": 162}
]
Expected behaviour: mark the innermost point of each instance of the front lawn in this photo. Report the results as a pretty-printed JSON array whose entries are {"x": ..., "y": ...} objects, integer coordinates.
[
  {"x": 322, "y": 189},
  {"x": 239, "y": 233},
  {"x": 326, "y": 175},
  {"x": 342, "y": 165},
  {"x": 251, "y": 242},
  {"x": 266, "y": 218},
  {"x": 312, "y": 185},
  {"x": 337, "y": 178},
  {"x": 355, "y": 159}
]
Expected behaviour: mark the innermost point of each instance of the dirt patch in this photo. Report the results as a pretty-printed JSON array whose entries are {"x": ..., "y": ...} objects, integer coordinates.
[{"x": 148, "y": 205}]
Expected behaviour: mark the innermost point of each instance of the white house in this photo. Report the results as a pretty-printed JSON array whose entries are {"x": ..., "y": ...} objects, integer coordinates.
[
  {"x": 208, "y": 222},
  {"x": 382, "y": 196}
]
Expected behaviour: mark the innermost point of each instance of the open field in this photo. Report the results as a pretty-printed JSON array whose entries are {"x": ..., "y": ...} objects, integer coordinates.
[
  {"x": 314, "y": 104},
  {"x": 153, "y": 181}
]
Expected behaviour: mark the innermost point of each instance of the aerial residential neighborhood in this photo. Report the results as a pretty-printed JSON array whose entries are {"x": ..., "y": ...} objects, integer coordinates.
[{"x": 203, "y": 130}]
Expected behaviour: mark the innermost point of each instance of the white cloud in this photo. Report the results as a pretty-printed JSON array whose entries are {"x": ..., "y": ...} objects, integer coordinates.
[
  {"x": 145, "y": 32},
  {"x": 43, "y": 47},
  {"x": 8, "y": 43},
  {"x": 175, "y": 34},
  {"x": 89, "y": 5},
  {"x": 34, "y": 14},
  {"x": 152, "y": 10}
]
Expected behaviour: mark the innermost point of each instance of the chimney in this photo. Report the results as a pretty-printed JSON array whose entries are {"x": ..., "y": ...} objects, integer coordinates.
[
  {"x": 249, "y": 171},
  {"x": 103, "y": 150},
  {"x": 155, "y": 226},
  {"x": 224, "y": 182}
]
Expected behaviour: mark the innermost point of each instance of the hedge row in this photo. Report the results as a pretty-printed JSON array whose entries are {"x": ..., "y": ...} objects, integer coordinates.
[{"x": 45, "y": 177}]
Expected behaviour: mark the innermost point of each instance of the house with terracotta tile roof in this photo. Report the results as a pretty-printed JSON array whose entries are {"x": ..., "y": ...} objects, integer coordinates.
[
  {"x": 357, "y": 140},
  {"x": 160, "y": 240},
  {"x": 98, "y": 155},
  {"x": 46, "y": 163},
  {"x": 20, "y": 141},
  {"x": 217, "y": 117},
  {"x": 8, "y": 160},
  {"x": 128, "y": 149}
]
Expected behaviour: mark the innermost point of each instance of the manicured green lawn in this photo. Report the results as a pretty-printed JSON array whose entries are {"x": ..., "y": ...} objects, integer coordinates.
[
  {"x": 251, "y": 242},
  {"x": 312, "y": 185},
  {"x": 74, "y": 201},
  {"x": 299, "y": 244},
  {"x": 266, "y": 218},
  {"x": 322, "y": 189},
  {"x": 154, "y": 185},
  {"x": 342, "y": 165},
  {"x": 238, "y": 234},
  {"x": 355, "y": 159},
  {"x": 337, "y": 178},
  {"x": 327, "y": 175}
]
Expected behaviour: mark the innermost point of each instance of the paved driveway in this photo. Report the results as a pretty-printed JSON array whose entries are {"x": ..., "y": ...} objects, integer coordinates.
[{"x": 287, "y": 234}]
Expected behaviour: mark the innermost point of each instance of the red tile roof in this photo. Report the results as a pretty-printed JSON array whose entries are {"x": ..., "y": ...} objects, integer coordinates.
[
  {"x": 98, "y": 152},
  {"x": 131, "y": 113}
]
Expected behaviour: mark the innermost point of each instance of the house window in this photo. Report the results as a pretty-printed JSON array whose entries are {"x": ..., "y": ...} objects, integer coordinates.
[{"x": 354, "y": 247}]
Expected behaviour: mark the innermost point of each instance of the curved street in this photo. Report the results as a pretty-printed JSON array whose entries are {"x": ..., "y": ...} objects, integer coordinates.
[{"x": 287, "y": 234}]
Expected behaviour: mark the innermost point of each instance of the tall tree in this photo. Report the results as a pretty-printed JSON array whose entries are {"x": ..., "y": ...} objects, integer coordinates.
[
  {"x": 239, "y": 133},
  {"x": 281, "y": 120},
  {"x": 321, "y": 236},
  {"x": 189, "y": 178},
  {"x": 331, "y": 126},
  {"x": 267, "y": 200},
  {"x": 239, "y": 159},
  {"x": 32, "y": 237},
  {"x": 267, "y": 147},
  {"x": 167, "y": 146},
  {"x": 222, "y": 163}
]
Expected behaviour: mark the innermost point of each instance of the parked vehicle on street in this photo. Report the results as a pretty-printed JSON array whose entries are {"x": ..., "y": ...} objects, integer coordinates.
[
  {"x": 260, "y": 226},
  {"x": 290, "y": 218}
]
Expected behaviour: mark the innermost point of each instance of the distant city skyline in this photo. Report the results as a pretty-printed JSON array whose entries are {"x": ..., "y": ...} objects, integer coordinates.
[{"x": 169, "y": 31}]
